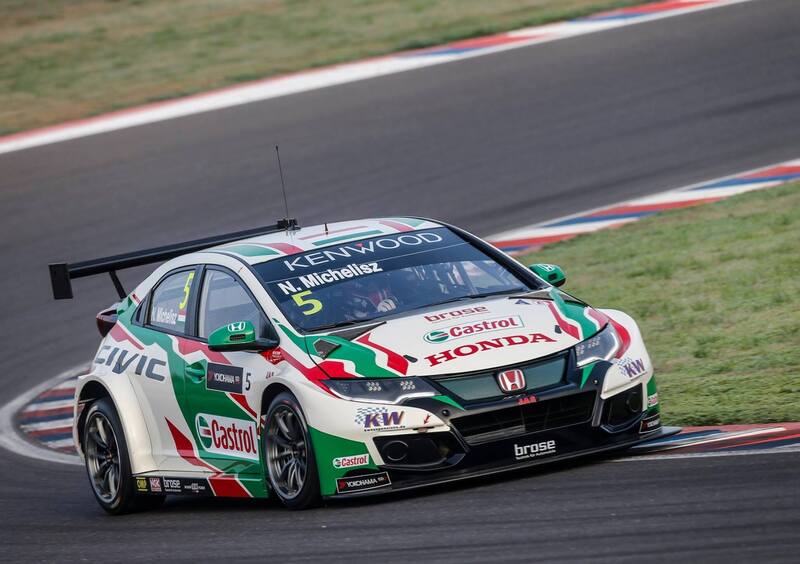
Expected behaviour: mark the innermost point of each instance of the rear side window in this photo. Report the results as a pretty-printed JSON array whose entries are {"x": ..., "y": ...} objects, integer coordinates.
[{"x": 170, "y": 300}]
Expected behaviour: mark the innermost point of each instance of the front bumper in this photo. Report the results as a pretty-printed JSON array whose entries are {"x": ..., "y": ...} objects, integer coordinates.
[
  {"x": 567, "y": 423},
  {"x": 510, "y": 454}
]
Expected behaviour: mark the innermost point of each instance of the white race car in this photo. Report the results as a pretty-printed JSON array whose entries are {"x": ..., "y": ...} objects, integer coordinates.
[{"x": 346, "y": 359}]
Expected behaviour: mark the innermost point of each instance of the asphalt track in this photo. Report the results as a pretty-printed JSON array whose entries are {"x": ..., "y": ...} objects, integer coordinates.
[{"x": 489, "y": 143}]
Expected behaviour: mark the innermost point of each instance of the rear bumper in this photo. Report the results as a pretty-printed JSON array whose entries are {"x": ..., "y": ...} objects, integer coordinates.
[{"x": 518, "y": 452}]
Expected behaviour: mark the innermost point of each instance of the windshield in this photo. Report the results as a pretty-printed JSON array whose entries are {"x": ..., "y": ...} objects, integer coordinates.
[{"x": 386, "y": 275}]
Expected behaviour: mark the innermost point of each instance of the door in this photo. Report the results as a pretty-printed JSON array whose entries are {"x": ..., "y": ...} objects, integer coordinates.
[{"x": 220, "y": 387}]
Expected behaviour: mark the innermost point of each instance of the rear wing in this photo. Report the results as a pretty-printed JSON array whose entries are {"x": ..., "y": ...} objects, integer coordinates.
[{"x": 62, "y": 273}]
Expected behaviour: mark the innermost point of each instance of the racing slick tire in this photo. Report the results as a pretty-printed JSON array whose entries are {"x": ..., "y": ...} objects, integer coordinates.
[
  {"x": 289, "y": 456},
  {"x": 107, "y": 463}
]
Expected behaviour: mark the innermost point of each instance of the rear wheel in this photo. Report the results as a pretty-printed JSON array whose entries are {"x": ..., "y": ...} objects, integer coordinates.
[
  {"x": 289, "y": 456},
  {"x": 107, "y": 462}
]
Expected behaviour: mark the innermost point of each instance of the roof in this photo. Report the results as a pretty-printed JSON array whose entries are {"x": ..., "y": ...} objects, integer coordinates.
[{"x": 284, "y": 243}]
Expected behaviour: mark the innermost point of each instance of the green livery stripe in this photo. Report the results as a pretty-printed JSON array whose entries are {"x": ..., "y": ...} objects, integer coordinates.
[
  {"x": 411, "y": 222},
  {"x": 652, "y": 389},
  {"x": 364, "y": 358},
  {"x": 249, "y": 250},
  {"x": 255, "y": 486},
  {"x": 358, "y": 235},
  {"x": 574, "y": 312},
  {"x": 329, "y": 447},
  {"x": 585, "y": 372},
  {"x": 298, "y": 340},
  {"x": 448, "y": 400}
]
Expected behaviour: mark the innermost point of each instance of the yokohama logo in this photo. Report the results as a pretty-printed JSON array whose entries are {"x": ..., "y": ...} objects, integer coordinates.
[
  {"x": 498, "y": 343},
  {"x": 223, "y": 435}
]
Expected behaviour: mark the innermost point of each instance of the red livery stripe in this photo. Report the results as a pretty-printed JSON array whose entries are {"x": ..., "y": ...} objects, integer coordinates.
[
  {"x": 188, "y": 346},
  {"x": 568, "y": 328},
  {"x": 396, "y": 362},
  {"x": 119, "y": 334}
]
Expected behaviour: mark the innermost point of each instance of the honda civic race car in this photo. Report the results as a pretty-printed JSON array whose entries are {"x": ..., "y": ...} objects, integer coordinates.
[{"x": 346, "y": 359}]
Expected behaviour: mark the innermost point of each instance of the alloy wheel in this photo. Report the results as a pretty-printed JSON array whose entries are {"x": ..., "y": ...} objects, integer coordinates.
[
  {"x": 287, "y": 452},
  {"x": 102, "y": 457}
]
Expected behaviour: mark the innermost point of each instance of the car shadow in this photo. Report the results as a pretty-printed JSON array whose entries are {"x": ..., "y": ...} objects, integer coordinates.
[{"x": 178, "y": 504}]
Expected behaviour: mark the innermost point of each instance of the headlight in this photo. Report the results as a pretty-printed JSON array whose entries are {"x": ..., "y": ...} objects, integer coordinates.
[
  {"x": 384, "y": 390},
  {"x": 602, "y": 346}
]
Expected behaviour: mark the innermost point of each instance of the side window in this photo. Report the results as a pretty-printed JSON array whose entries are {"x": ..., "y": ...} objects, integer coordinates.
[
  {"x": 169, "y": 301},
  {"x": 223, "y": 300}
]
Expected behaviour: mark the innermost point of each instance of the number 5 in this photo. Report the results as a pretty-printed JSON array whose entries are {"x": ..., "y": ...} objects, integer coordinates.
[{"x": 316, "y": 305}]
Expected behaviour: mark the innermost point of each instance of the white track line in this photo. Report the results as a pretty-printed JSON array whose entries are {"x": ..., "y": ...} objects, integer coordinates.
[
  {"x": 775, "y": 450},
  {"x": 45, "y": 425},
  {"x": 11, "y": 440},
  {"x": 320, "y": 78},
  {"x": 48, "y": 405}
]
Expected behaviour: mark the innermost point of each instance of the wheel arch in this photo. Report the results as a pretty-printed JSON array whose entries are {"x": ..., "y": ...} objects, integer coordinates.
[
  {"x": 271, "y": 392},
  {"x": 122, "y": 396},
  {"x": 90, "y": 392}
]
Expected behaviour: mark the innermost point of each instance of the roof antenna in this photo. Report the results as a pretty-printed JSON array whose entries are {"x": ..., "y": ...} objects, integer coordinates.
[{"x": 287, "y": 222}]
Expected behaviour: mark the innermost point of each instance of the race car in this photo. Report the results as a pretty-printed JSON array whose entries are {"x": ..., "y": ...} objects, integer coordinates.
[{"x": 343, "y": 360}]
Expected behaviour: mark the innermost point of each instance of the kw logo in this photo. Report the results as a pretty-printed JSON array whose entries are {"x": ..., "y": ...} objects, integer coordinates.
[
  {"x": 632, "y": 368},
  {"x": 379, "y": 418}
]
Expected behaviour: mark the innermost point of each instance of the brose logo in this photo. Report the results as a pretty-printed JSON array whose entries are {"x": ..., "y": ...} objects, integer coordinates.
[
  {"x": 223, "y": 435},
  {"x": 172, "y": 485},
  {"x": 351, "y": 461},
  {"x": 469, "y": 329},
  {"x": 456, "y": 313},
  {"x": 523, "y": 452}
]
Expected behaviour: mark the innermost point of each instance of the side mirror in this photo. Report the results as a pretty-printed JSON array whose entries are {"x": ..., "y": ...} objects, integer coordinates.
[
  {"x": 550, "y": 272},
  {"x": 238, "y": 336}
]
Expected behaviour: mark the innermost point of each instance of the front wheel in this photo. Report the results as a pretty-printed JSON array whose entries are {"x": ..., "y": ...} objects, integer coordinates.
[
  {"x": 107, "y": 462},
  {"x": 289, "y": 456}
]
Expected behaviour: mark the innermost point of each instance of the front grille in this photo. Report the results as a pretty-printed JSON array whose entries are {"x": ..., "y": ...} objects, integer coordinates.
[
  {"x": 539, "y": 375},
  {"x": 529, "y": 418}
]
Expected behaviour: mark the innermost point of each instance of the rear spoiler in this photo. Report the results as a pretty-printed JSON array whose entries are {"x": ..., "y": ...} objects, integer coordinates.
[{"x": 62, "y": 273}]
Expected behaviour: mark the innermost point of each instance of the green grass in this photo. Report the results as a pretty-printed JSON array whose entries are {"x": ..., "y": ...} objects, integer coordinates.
[
  {"x": 62, "y": 59},
  {"x": 716, "y": 292}
]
